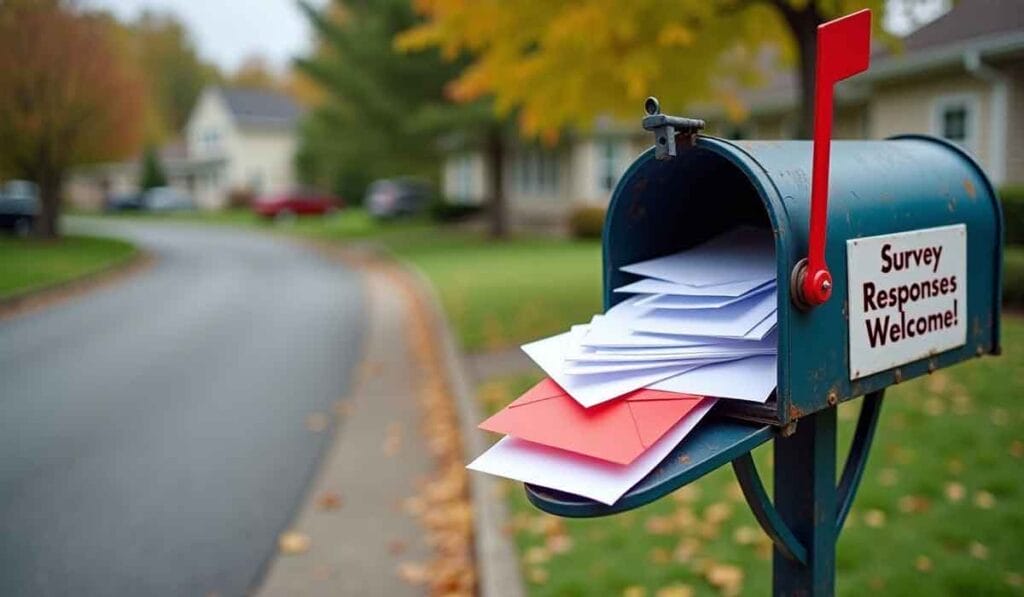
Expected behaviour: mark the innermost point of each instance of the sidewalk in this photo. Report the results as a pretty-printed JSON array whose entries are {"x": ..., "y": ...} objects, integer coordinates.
[{"x": 390, "y": 512}]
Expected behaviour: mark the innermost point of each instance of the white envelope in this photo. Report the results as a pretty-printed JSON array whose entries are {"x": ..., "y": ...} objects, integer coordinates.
[
  {"x": 733, "y": 321},
  {"x": 611, "y": 332},
  {"x": 752, "y": 379},
  {"x": 654, "y": 286},
  {"x": 599, "y": 480},
  {"x": 711, "y": 351},
  {"x": 675, "y": 301},
  {"x": 743, "y": 253},
  {"x": 681, "y": 365},
  {"x": 768, "y": 342},
  {"x": 589, "y": 390}
]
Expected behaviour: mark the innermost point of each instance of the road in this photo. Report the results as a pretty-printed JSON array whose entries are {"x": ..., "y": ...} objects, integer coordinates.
[{"x": 153, "y": 434}]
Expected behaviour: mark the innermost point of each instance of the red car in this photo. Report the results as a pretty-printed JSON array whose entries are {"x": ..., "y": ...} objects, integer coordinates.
[{"x": 296, "y": 203}]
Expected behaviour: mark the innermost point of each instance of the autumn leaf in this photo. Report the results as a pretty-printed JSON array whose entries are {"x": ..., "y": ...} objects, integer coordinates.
[
  {"x": 293, "y": 543},
  {"x": 329, "y": 500}
]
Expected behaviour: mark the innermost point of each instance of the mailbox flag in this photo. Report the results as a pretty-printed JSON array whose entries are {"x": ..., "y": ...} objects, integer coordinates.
[{"x": 844, "y": 47}]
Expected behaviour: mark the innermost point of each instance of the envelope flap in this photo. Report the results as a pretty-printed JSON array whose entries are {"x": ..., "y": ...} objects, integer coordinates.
[
  {"x": 645, "y": 394},
  {"x": 547, "y": 388},
  {"x": 654, "y": 417}
]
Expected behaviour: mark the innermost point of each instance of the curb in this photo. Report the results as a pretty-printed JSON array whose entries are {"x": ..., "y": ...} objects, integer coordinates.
[{"x": 497, "y": 561}]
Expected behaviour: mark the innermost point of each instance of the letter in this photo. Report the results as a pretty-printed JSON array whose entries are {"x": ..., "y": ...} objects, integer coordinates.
[
  {"x": 902, "y": 294},
  {"x": 877, "y": 332},
  {"x": 869, "y": 297},
  {"x": 886, "y": 259},
  {"x": 938, "y": 256},
  {"x": 952, "y": 286},
  {"x": 947, "y": 319},
  {"x": 934, "y": 322},
  {"x": 895, "y": 333}
]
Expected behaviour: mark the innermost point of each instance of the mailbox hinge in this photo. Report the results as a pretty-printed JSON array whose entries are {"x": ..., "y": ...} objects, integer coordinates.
[{"x": 668, "y": 130}]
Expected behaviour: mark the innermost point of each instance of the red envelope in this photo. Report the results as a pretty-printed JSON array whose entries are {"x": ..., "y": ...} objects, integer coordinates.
[{"x": 617, "y": 431}]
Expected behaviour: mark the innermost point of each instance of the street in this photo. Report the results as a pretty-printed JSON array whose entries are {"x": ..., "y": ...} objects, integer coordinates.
[{"x": 155, "y": 434}]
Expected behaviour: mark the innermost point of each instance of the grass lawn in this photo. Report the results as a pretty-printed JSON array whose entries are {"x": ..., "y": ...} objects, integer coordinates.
[
  {"x": 27, "y": 264},
  {"x": 940, "y": 510}
]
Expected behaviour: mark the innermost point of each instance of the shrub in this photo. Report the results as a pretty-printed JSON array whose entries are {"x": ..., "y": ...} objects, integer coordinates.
[
  {"x": 586, "y": 221},
  {"x": 1012, "y": 198},
  {"x": 1013, "y": 277},
  {"x": 442, "y": 210},
  {"x": 240, "y": 198}
]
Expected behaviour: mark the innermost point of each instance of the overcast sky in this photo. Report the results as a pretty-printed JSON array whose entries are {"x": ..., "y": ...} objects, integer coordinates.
[{"x": 228, "y": 31}]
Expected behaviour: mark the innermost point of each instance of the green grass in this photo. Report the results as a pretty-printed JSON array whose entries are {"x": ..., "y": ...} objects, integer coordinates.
[
  {"x": 940, "y": 510},
  {"x": 29, "y": 264}
]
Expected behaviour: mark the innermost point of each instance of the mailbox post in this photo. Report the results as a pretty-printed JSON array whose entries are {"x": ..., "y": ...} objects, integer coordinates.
[{"x": 913, "y": 234}]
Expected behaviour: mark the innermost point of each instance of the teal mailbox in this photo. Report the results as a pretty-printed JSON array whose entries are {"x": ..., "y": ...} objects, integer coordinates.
[{"x": 898, "y": 275}]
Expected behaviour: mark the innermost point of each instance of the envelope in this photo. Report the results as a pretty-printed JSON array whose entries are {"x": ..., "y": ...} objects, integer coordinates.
[{"x": 618, "y": 431}]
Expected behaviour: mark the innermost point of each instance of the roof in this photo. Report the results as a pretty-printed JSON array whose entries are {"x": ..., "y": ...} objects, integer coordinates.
[
  {"x": 259, "y": 107},
  {"x": 982, "y": 26},
  {"x": 969, "y": 19}
]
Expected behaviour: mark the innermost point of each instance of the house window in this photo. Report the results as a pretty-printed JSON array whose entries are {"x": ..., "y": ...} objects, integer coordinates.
[
  {"x": 536, "y": 172},
  {"x": 463, "y": 177},
  {"x": 955, "y": 118},
  {"x": 608, "y": 159}
]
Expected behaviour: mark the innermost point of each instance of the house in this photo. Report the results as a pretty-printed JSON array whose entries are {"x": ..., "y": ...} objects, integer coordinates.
[
  {"x": 961, "y": 77},
  {"x": 235, "y": 140}
]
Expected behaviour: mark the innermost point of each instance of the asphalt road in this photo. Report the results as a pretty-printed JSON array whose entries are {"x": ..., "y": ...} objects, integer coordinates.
[{"x": 153, "y": 436}]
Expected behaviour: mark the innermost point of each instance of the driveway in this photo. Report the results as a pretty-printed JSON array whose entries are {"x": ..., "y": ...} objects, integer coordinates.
[{"x": 155, "y": 435}]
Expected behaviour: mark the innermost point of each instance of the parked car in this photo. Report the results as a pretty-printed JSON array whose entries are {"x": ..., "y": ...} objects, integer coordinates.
[
  {"x": 19, "y": 206},
  {"x": 395, "y": 197},
  {"x": 166, "y": 199},
  {"x": 299, "y": 202},
  {"x": 125, "y": 202}
]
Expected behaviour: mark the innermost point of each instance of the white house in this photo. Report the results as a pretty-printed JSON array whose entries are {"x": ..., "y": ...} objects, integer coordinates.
[
  {"x": 961, "y": 77},
  {"x": 241, "y": 139},
  {"x": 235, "y": 139}
]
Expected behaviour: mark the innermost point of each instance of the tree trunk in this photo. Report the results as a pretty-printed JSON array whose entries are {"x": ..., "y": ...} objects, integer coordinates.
[
  {"x": 497, "y": 209},
  {"x": 48, "y": 222},
  {"x": 803, "y": 24}
]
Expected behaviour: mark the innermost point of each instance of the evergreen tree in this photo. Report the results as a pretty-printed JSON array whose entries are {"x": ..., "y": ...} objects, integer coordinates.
[{"x": 152, "y": 171}]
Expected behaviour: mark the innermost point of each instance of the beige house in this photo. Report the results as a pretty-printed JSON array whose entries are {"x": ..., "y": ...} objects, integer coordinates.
[
  {"x": 961, "y": 77},
  {"x": 235, "y": 139}
]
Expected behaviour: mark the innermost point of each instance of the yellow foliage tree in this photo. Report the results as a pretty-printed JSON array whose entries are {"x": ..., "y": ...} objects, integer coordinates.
[{"x": 565, "y": 63}]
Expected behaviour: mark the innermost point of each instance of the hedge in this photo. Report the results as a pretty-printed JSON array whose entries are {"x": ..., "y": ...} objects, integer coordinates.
[
  {"x": 586, "y": 221},
  {"x": 1013, "y": 213}
]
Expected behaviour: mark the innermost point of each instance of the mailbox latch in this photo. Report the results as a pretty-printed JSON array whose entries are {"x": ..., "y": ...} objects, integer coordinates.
[{"x": 666, "y": 128}]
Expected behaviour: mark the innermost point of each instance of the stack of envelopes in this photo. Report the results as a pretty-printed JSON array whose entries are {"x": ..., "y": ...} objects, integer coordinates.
[{"x": 625, "y": 389}]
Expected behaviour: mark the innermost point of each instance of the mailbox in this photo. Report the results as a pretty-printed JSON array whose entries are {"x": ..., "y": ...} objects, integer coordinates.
[
  {"x": 877, "y": 189},
  {"x": 889, "y": 261}
]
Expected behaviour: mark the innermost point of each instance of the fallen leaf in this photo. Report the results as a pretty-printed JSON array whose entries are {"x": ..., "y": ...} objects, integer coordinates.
[
  {"x": 1017, "y": 448},
  {"x": 955, "y": 492},
  {"x": 414, "y": 573},
  {"x": 559, "y": 544},
  {"x": 888, "y": 477},
  {"x": 537, "y": 575},
  {"x": 999, "y": 417},
  {"x": 923, "y": 564},
  {"x": 293, "y": 543},
  {"x": 718, "y": 512},
  {"x": 397, "y": 547},
  {"x": 726, "y": 577},
  {"x": 1014, "y": 579},
  {"x": 686, "y": 549},
  {"x": 329, "y": 500},
  {"x": 634, "y": 591},
  {"x": 746, "y": 535},
  {"x": 659, "y": 525},
  {"x": 317, "y": 422},
  {"x": 978, "y": 550},
  {"x": 874, "y": 518},
  {"x": 536, "y": 555},
  {"x": 659, "y": 555},
  {"x": 912, "y": 504},
  {"x": 676, "y": 590},
  {"x": 984, "y": 500},
  {"x": 393, "y": 439}
]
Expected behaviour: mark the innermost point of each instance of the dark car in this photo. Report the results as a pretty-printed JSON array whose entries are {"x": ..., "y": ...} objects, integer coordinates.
[
  {"x": 395, "y": 197},
  {"x": 19, "y": 206},
  {"x": 125, "y": 202},
  {"x": 301, "y": 202}
]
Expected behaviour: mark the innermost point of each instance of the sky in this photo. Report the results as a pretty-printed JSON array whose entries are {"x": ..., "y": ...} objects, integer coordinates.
[{"x": 228, "y": 31}]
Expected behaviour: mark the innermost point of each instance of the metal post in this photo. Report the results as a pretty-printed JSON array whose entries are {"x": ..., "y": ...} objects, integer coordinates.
[{"x": 805, "y": 497}]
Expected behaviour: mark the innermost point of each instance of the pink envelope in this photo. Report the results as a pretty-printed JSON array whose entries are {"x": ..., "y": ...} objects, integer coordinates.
[{"x": 618, "y": 431}]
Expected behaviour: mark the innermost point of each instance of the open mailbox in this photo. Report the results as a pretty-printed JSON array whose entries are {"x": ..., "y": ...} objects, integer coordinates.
[{"x": 914, "y": 245}]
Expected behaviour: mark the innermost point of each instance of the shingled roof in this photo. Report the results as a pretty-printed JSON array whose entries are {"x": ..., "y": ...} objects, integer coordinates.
[
  {"x": 969, "y": 19},
  {"x": 260, "y": 108}
]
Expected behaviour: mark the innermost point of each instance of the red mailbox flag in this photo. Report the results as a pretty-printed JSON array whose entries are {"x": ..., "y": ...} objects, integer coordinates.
[{"x": 844, "y": 49}]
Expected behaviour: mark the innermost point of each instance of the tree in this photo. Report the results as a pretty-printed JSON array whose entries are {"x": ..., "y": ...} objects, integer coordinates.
[
  {"x": 173, "y": 71},
  {"x": 152, "y": 171},
  {"x": 380, "y": 109},
  {"x": 66, "y": 97},
  {"x": 255, "y": 73},
  {"x": 565, "y": 64}
]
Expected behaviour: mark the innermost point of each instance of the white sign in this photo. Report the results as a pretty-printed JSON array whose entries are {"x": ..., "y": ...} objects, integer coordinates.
[{"x": 908, "y": 297}]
